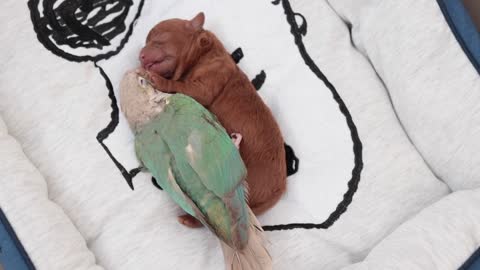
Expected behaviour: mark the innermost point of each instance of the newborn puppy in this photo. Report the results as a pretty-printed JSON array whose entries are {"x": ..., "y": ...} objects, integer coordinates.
[{"x": 181, "y": 57}]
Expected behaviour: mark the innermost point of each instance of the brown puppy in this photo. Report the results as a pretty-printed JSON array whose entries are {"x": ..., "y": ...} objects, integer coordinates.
[{"x": 181, "y": 57}]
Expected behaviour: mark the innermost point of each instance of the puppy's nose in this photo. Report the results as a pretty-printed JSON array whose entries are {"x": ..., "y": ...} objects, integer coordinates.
[{"x": 141, "y": 57}]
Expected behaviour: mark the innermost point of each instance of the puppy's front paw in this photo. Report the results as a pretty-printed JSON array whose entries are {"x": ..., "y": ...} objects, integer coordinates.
[
  {"x": 160, "y": 83},
  {"x": 143, "y": 73}
]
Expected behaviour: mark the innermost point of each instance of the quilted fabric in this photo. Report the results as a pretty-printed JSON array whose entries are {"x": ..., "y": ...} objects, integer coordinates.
[{"x": 68, "y": 148}]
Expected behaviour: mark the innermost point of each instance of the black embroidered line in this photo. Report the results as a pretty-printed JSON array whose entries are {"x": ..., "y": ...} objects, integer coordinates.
[
  {"x": 293, "y": 162},
  {"x": 155, "y": 183},
  {"x": 134, "y": 172},
  {"x": 357, "y": 144},
  {"x": 302, "y": 29},
  {"x": 60, "y": 31},
  {"x": 43, "y": 37},
  {"x": 110, "y": 128},
  {"x": 259, "y": 80},
  {"x": 237, "y": 55},
  {"x": 104, "y": 133},
  {"x": 75, "y": 30}
]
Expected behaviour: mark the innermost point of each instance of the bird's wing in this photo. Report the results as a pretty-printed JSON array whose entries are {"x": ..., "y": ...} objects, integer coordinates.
[
  {"x": 177, "y": 177},
  {"x": 196, "y": 137},
  {"x": 154, "y": 154},
  {"x": 209, "y": 168}
]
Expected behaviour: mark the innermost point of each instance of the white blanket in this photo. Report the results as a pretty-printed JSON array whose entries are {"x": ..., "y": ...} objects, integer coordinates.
[{"x": 359, "y": 177}]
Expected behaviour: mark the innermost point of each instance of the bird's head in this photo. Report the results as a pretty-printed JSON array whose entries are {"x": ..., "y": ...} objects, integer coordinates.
[{"x": 139, "y": 101}]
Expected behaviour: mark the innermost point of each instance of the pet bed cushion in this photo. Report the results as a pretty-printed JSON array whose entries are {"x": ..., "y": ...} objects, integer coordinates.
[
  {"x": 434, "y": 84},
  {"x": 358, "y": 175},
  {"x": 440, "y": 237},
  {"x": 41, "y": 226}
]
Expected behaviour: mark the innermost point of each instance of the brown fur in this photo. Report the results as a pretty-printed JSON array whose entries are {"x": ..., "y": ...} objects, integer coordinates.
[{"x": 182, "y": 57}]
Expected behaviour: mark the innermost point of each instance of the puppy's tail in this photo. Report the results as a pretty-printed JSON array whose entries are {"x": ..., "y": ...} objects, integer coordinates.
[{"x": 254, "y": 256}]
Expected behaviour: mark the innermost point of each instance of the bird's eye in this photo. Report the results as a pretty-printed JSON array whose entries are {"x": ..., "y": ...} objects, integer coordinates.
[{"x": 142, "y": 82}]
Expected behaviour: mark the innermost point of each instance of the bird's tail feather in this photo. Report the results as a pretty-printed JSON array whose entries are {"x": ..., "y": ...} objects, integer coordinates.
[{"x": 254, "y": 256}]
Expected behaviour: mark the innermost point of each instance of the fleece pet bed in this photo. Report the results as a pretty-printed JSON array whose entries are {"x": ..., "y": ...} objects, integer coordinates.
[
  {"x": 433, "y": 78},
  {"x": 357, "y": 177},
  {"x": 427, "y": 53}
]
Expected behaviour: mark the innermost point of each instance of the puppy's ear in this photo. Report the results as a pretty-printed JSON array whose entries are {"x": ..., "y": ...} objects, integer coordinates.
[
  {"x": 198, "y": 21},
  {"x": 204, "y": 41}
]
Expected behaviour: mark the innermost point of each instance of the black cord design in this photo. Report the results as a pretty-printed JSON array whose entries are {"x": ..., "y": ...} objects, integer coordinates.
[
  {"x": 298, "y": 32},
  {"x": 81, "y": 24},
  {"x": 65, "y": 27}
]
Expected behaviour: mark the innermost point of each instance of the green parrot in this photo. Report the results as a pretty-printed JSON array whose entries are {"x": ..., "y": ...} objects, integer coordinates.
[{"x": 196, "y": 162}]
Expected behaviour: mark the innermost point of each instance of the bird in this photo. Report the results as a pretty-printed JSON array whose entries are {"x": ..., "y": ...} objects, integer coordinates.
[{"x": 197, "y": 164}]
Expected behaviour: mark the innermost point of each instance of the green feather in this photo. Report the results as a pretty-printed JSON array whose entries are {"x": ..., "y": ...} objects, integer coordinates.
[{"x": 194, "y": 160}]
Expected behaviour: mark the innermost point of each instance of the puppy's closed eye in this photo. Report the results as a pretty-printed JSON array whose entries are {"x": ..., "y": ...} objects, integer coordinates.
[{"x": 161, "y": 38}]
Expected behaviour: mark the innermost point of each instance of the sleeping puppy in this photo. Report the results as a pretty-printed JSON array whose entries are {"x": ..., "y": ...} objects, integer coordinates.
[{"x": 181, "y": 57}]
